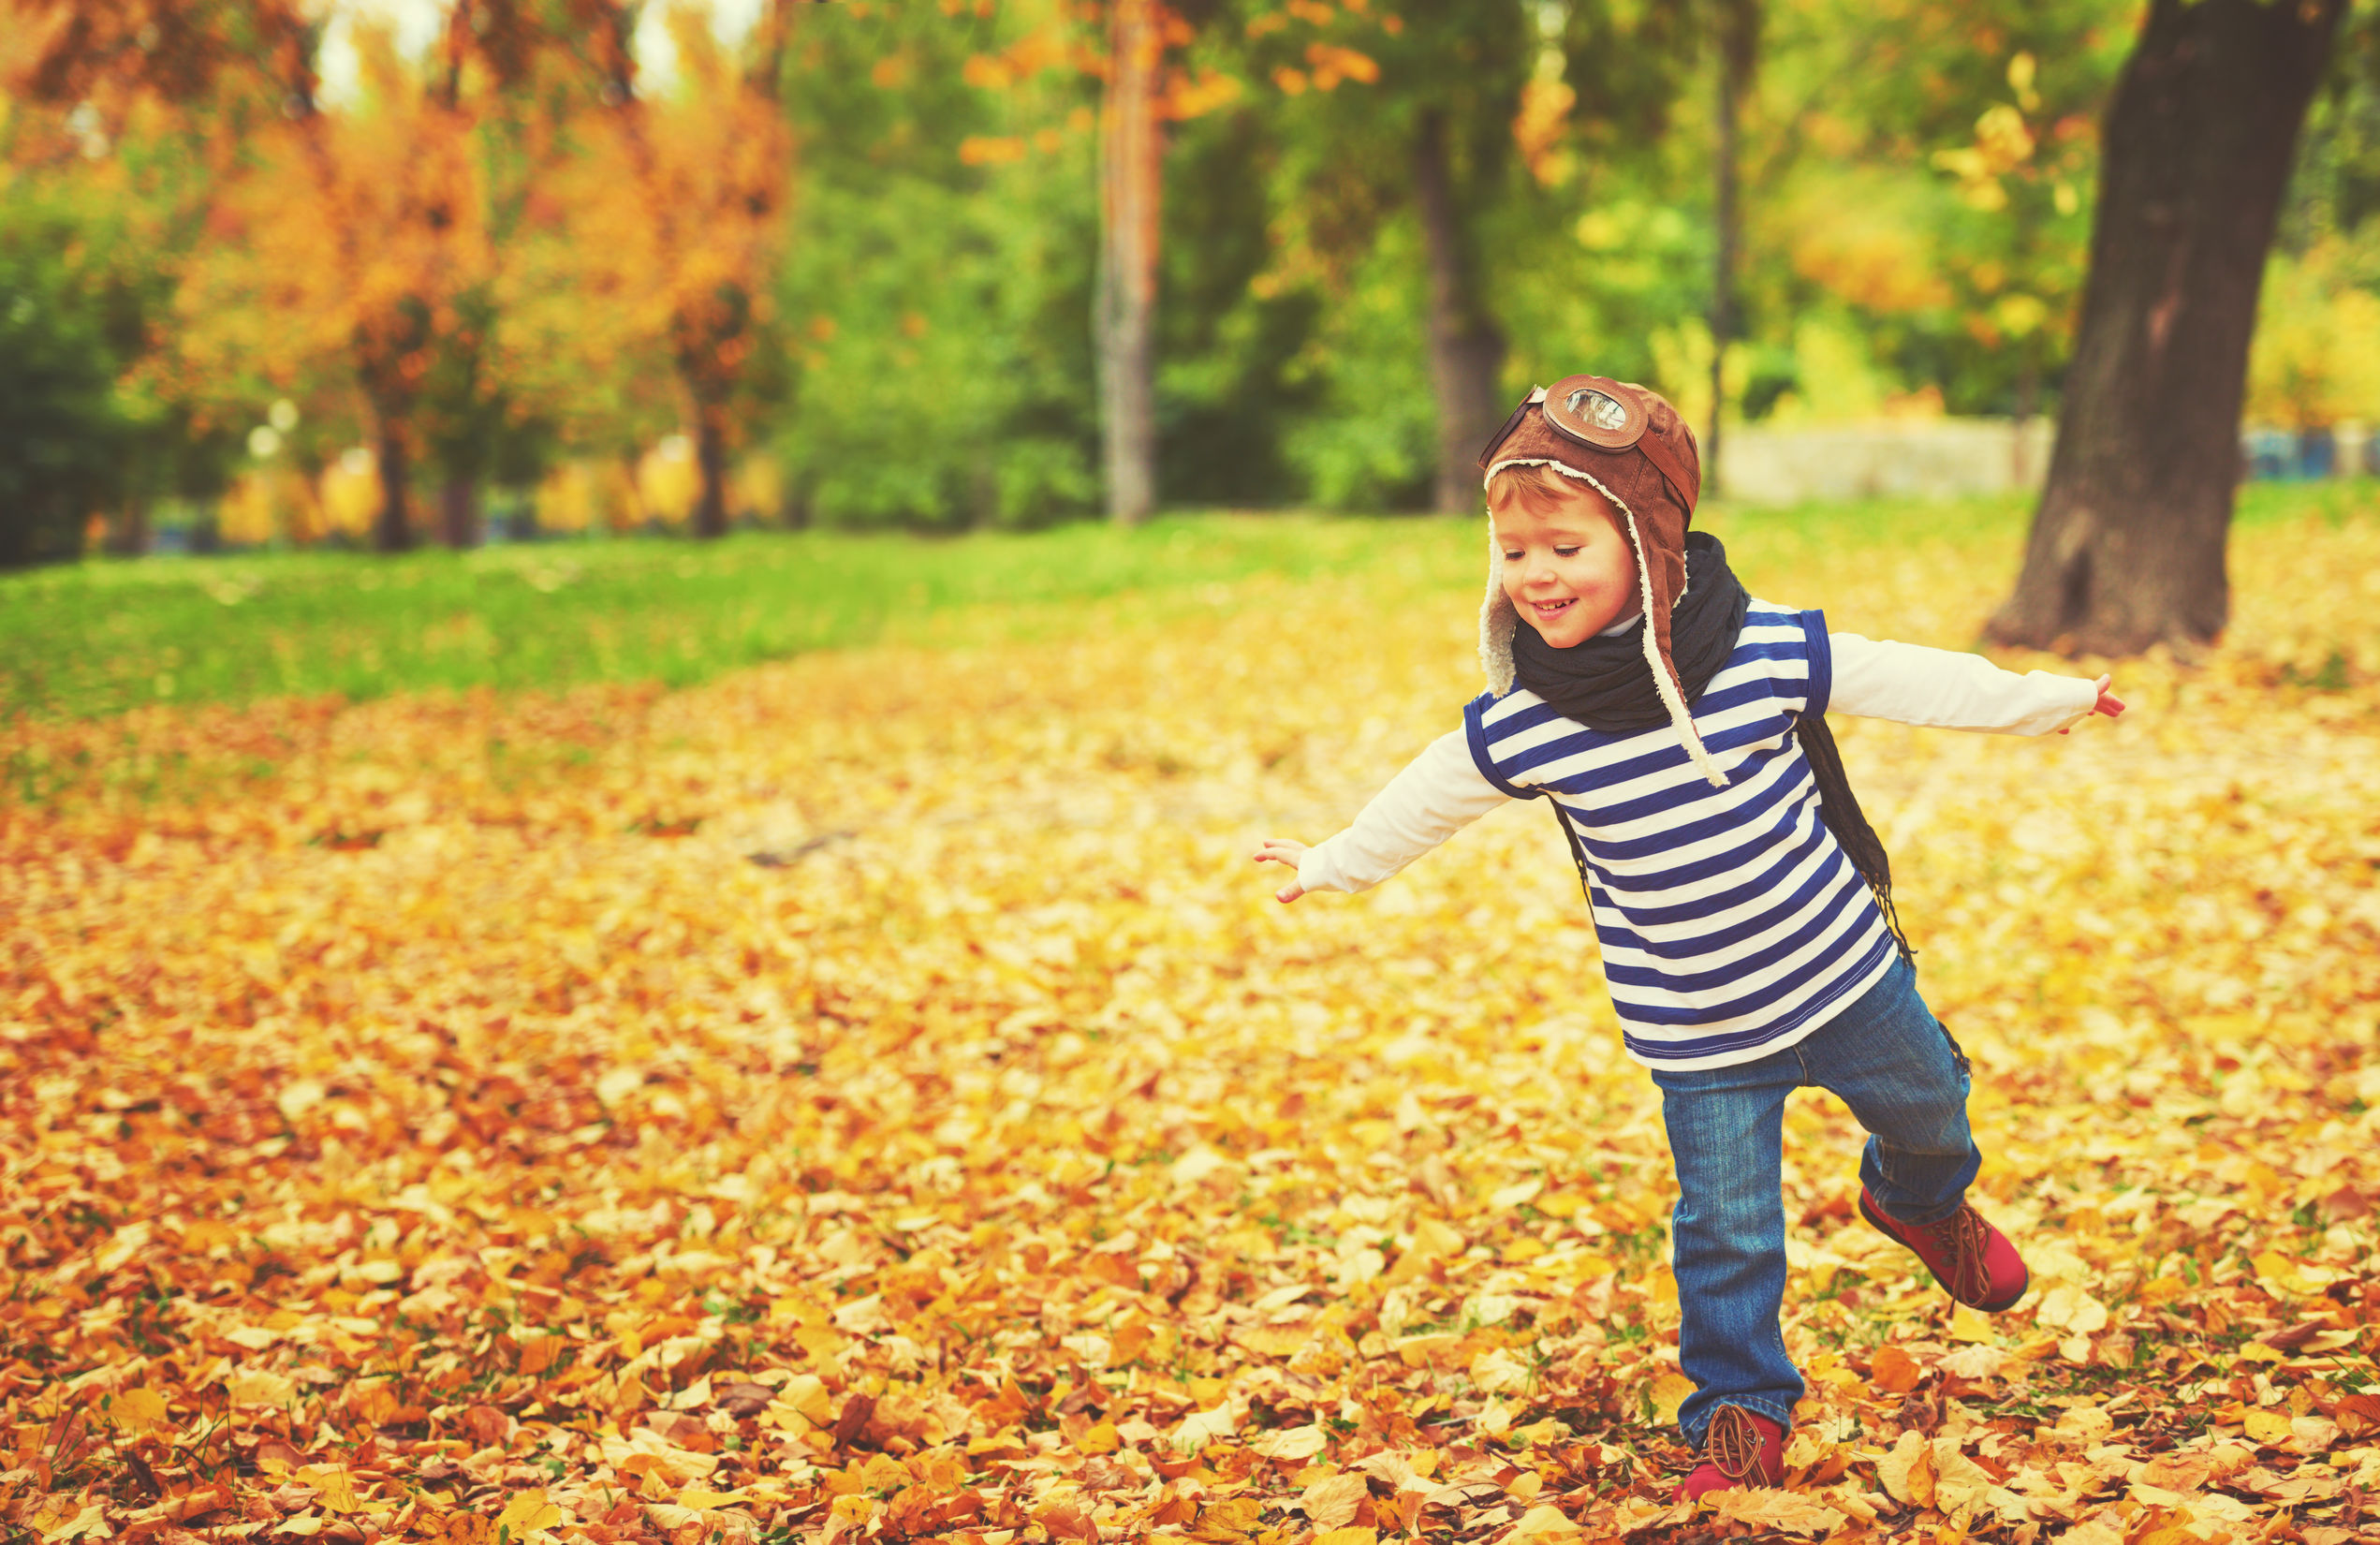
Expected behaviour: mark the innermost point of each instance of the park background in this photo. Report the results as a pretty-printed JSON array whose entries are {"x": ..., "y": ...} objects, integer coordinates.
[
  {"x": 841, "y": 266},
  {"x": 646, "y": 646}
]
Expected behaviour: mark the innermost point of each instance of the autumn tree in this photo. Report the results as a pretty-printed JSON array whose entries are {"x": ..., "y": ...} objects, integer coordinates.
[
  {"x": 667, "y": 211},
  {"x": 1428, "y": 135},
  {"x": 341, "y": 239},
  {"x": 2127, "y": 545}
]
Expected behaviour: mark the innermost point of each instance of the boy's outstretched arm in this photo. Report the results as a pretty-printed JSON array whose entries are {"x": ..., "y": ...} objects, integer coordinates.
[
  {"x": 1947, "y": 690},
  {"x": 1438, "y": 794}
]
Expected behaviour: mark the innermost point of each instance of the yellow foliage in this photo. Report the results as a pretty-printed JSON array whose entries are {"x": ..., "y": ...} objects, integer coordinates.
[
  {"x": 756, "y": 489},
  {"x": 267, "y": 502},
  {"x": 668, "y": 481},
  {"x": 350, "y": 492},
  {"x": 2315, "y": 359},
  {"x": 579, "y": 496}
]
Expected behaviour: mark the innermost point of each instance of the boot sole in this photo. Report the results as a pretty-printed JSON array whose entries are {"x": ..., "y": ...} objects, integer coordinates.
[{"x": 1883, "y": 1225}]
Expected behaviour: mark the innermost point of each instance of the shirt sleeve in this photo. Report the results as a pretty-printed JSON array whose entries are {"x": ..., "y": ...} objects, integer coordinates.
[
  {"x": 1438, "y": 794},
  {"x": 1945, "y": 689}
]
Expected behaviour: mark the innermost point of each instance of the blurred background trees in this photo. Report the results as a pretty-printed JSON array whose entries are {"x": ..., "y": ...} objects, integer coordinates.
[{"x": 373, "y": 274}]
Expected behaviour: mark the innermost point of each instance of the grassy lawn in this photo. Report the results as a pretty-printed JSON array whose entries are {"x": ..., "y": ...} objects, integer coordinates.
[{"x": 102, "y": 636}]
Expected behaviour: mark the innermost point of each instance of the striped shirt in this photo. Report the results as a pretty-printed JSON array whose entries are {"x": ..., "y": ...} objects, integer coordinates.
[{"x": 1731, "y": 921}]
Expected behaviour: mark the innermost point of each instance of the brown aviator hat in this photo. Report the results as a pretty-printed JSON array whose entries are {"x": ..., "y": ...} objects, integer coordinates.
[{"x": 1630, "y": 446}]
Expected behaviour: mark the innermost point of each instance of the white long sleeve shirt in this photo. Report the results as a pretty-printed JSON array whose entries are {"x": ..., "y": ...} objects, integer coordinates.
[{"x": 1442, "y": 790}]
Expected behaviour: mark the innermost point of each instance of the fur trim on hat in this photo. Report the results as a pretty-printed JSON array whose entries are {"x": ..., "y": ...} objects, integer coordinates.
[{"x": 1498, "y": 618}]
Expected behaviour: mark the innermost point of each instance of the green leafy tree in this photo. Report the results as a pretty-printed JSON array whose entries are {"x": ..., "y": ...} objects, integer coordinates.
[{"x": 62, "y": 430}]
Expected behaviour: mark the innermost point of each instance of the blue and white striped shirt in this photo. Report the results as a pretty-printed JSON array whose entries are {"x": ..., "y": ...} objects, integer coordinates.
[{"x": 1731, "y": 921}]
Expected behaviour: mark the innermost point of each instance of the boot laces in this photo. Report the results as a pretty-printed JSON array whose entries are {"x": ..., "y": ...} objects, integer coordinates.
[
  {"x": 1962, "y": 1239},
  {"x": 1734, "y": 1442}
]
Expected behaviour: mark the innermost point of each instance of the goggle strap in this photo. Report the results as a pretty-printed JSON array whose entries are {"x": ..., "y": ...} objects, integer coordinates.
[{"x": 1512, "y": 423}]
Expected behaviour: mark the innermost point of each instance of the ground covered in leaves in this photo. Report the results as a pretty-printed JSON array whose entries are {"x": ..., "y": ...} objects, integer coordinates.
[{"x": 873, "y": 1097}]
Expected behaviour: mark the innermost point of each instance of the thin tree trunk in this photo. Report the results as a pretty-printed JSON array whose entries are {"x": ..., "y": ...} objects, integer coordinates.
[
  {"x": 459, "y": 512},
  {"x": 1466, "y": 347},
  {"x": 2128, "y": 543},
  {"x": 711, "y": 465},
  {"x": 1127, "y": 320},
  {"x": 393, "y": 529},
  {"x": 1738, "y": 32},
  {"x": 128, "y": 533}
]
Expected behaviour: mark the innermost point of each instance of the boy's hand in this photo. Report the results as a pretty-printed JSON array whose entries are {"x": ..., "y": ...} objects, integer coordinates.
[
  {"x": 1282, "y": 850},
  {"x": 2108, "y": 702}
]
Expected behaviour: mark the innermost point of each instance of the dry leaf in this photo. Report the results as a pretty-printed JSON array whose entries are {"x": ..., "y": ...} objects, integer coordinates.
[
  {"x": 1332, "y": 1501},
  {"x": 1289, "y": 1444},
  {"x": 1907, "y": 1471},
  {"x": 1894, "y": 1371},
  {"x": 1544, "y": 1521},
  {"x": 2267, "y": 1426},
  {"x": 1769, "y": 1508}
]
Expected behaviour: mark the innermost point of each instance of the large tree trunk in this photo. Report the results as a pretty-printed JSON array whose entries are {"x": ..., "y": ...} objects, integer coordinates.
[
  {"x": 1127, "y": 320},
  {"x": 392, "y": 528},
  {"x": 711, "y": 464},
  {"x": 2127, "y": 544},
  {"x": 1466, "y": 347}
]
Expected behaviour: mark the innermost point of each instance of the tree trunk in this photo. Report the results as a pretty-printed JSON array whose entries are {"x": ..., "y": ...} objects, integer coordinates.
[
  {"x": 128, "y": 533},
  {"x": 1466, "y": 347},
  {"x": 1738, "y": 33},
  {"x": 1127, "y": 320},
  {"x": 2127, "y": 544},
  {"x": 393, "y": 529},
  {"x": 711, "y": 464},
  {"x": 459, "y": 512}
]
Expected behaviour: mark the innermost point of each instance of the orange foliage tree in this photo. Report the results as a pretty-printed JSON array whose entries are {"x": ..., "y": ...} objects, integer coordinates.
[
  {"x": 655, "y": 233},
  {"x": 333, "y": 241}
]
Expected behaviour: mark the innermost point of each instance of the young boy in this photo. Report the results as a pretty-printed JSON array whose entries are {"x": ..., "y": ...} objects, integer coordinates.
[{"x": 1740, "y": 900}]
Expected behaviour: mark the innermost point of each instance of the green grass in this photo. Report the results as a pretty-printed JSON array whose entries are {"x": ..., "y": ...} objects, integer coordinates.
[{"x": 102, "y": 636}]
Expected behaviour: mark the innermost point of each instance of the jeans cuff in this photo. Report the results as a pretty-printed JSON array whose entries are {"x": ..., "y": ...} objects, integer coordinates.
[{"x": 1945, "y": 1210}]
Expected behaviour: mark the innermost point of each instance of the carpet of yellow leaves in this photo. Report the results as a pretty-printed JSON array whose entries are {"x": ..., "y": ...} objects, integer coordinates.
[{"x": 874, "y": 1098}]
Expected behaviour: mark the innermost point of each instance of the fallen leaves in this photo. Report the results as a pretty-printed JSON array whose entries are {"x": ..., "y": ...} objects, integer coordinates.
[{"x": 1008, "y": 1168}]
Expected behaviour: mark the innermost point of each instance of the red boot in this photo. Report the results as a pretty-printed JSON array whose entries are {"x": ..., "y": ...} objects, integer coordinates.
[
  {"x": 1974, "y": 1261},
  {"x": 1740, "y": 1449}
]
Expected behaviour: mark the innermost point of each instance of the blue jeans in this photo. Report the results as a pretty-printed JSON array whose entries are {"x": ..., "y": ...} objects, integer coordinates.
[{"x": 1905, "y": 1079}]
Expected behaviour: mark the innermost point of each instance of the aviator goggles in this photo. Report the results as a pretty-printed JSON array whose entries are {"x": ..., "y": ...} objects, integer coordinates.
[{"x": 1607, "y": 415}]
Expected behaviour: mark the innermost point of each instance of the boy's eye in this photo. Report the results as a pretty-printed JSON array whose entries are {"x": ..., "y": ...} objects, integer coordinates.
[
  {"x": 1565, "y": 551},
  {"x": 1511, "y": 555}
]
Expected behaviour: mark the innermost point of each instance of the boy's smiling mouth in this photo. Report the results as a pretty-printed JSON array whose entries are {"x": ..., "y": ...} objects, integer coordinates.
[{"x": 1550, "y": 610}]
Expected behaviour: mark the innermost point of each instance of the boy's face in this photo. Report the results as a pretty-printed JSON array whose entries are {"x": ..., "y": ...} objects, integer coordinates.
[{"x": 1568, "y": 570}]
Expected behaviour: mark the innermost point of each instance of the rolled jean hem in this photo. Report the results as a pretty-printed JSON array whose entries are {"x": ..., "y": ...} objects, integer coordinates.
[
  {"x": 1751, "y": 1403},
  {"x": 1951, "y": 1211}
]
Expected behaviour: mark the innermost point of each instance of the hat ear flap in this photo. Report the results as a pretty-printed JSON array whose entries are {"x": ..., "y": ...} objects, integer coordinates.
[{"x": 1497, "y": 619}]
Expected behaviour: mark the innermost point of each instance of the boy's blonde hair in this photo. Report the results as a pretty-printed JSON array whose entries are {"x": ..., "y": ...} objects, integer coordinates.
[{"x": 1542, "y": 490}]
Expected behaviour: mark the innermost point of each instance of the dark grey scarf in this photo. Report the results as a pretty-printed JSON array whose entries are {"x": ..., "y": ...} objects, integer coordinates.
[{"x": 1606, "y": 684}]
